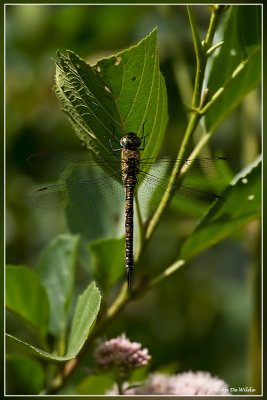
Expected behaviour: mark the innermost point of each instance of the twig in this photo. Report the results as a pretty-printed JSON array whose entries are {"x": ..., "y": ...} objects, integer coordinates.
[{"x": 201, "y": 58}]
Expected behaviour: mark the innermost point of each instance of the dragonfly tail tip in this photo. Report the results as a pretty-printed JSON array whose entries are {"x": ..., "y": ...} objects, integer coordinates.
[{"x": 130, "y": 278}]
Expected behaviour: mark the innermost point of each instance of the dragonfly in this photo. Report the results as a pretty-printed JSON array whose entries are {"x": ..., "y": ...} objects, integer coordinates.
[{"x": 131, "y": 170}]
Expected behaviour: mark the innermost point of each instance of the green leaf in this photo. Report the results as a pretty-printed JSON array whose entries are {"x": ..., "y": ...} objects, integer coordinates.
[
  {"x": 27, "y": 297},
  {"x": 35, "y": 351},
  {"x": 56, "y": 272},
  {"x": 242, "y": 204},
  {"x": 241, "y": 48},
  {"x": 86, "y": 311},
  {"x": 95, "y": 385},
  {"x": 85, "y": 314},
  {"x": 108, "y": 261},
  {"x": 117, "y": 94},
  {"x": 24, "y": 375}
]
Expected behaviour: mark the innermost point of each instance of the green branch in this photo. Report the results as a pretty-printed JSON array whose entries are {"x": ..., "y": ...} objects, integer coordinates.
[
  {"x": 165, "y": 274},
  {"x": 200, "y": 58},
  {"x": 197, "y": 103},
  {"x": 173, "y": 178},
  {"x": 203, "y": 49}
]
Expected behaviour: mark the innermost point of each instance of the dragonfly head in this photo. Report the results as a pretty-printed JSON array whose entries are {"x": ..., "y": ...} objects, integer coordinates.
[{"x": 130, "y": 141}]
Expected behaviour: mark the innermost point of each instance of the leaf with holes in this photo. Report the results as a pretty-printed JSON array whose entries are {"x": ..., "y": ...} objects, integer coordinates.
[{"x": 118, "y": 94}]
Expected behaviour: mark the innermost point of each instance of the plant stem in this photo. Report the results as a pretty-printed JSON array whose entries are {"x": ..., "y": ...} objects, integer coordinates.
[
  {"x": 202, "y": 48},
  {"x": 173, "y": 178},
  {"x": 167, "y": 272},
  {"x": 200, "y": 145},
  {"x": 201, "y": 58},
  {"x": 120, "y": 391},
  {"x": 179, "y": 65},
  {"x": 214, "y": 21}
]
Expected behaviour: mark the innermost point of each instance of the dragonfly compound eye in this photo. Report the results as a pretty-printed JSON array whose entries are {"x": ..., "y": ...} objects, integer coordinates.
[{"x": 130, "y": 141}]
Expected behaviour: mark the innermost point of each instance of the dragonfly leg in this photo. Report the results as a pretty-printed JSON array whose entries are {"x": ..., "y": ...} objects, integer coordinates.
[
  {"x": 143, "y": 135},
  {"x": 143, "y": 127},
  {"x": 113, "y": 139}
]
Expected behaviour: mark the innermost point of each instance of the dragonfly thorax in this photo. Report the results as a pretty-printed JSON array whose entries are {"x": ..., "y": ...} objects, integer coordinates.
[{"x": 130, "y": 141}]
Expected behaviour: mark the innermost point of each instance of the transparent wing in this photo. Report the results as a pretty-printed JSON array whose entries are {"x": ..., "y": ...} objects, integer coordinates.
[
  {"x": 84, "y": 183},
  {"x": 186, "y": 200},
  {"x": 51, "y": 166},
  {"x": 213, "y": 168},
  {"x": 50, "y": 197},
  {"x": 81, "y": 189},
  {"x": 54, "y": 164}
]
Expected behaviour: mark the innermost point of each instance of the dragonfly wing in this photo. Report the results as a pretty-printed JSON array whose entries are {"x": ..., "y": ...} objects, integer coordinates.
[
  {"x": 185, "y": 200},
  {"x": 51, "y": 166},
  {"x": 50, "y": 197},
  {"x": 213, "y": 168},
  {"x": 192, "y": 201},
  {"x": 82, "y": 189}
]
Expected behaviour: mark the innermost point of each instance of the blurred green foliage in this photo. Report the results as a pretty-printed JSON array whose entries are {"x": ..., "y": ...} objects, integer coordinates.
[{"x": 201, "y": 317}]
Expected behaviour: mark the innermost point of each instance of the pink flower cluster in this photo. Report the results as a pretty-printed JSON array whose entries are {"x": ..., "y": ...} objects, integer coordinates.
[
  {"x": 121, "y": 355},
  {"x": 186, "y": 383}
]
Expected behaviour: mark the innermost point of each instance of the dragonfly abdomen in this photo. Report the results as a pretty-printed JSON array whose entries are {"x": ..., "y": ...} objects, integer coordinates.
[
  {"x": 130, "y": 168},
  {"x": 129, "y": 192}
]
